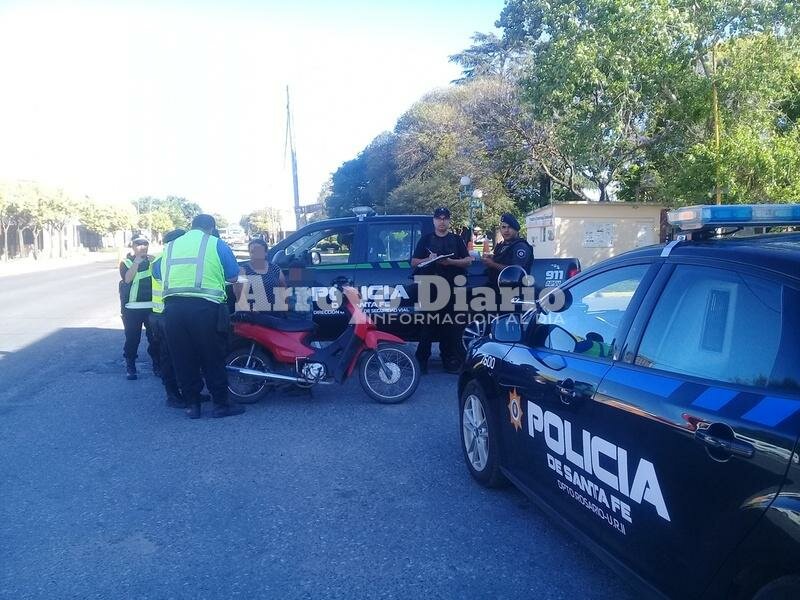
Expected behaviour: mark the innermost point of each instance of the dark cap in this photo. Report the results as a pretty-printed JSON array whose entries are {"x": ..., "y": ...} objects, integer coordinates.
[
  {"x": 510, "y": 220},
  {"x": 173, "y": 235},
  {"x": 442, "y": 211},
  {"x": 140, "y": 240}
]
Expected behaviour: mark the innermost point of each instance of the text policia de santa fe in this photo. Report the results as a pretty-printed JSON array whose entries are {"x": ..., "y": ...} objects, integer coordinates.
[{"x": 584, "y": 453}]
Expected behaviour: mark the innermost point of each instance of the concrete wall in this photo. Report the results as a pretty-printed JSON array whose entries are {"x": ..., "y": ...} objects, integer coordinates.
[{"x": 591, "y": 231}]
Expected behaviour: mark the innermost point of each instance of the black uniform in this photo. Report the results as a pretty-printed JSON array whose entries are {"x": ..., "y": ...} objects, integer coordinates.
[
  {"x": 444, "y": 329},
  {"x": 516, "y": 252}
]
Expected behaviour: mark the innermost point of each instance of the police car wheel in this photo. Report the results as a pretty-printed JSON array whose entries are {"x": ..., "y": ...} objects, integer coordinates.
[
  {"x": 785, "y": 588},
  {"x": 243, "y": 389},
  {"x": 473, "y": 330},
  {"x": 479, "y": 431},
  {"x": 390, "y": 374}
]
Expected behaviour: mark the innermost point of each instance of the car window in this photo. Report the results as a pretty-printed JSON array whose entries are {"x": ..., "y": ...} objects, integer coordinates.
[
  {"x": 593, "y": 312},
  {"x": 393, "y": 241},
  {"x": 331, "y": 245},
  {"x": 721, "y": 325}
]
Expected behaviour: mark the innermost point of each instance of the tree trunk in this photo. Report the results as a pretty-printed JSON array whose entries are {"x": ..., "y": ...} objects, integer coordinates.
[
  {"x": 20, "y": 242},
  {"x": 603, "y": 192},
  {"x": 5, "y": 241},
  {"x": 36, "y": 231}
]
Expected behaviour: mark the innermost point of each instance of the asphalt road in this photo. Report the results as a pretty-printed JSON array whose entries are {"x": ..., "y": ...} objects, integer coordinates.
[{"x": 105, "y": 492}]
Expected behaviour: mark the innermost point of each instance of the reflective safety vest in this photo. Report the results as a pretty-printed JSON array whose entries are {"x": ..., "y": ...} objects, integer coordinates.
[
  {"x": 158, "y": 288},
  {"x": 133, "y": 295},
  {"x": 191, "y": 267}
]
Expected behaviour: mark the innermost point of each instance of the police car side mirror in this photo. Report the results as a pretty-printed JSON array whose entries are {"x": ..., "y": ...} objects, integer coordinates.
[{"x": 507, "y": 329}]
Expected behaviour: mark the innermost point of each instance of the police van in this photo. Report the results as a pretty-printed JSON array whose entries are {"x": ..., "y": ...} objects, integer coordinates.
[
  {"x": 373, "y": 253},
  {"x": 652, "y": 406}
]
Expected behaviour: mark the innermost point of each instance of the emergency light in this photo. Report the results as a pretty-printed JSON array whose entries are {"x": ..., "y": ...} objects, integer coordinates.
[{"x": 693, "y": 218}]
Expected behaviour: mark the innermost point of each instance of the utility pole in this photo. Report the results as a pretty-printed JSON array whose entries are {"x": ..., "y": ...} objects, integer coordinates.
[
  {"x": 715, "y": 109},
  {"x": 289, "y": 142}
]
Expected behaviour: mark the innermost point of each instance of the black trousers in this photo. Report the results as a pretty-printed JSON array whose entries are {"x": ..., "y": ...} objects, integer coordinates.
[
  {"x": 441, "y": 327},
  {"x": 158, "y": 324},
  {"x": 133, "y": 320},
  {"x": 197, "y": 347}
]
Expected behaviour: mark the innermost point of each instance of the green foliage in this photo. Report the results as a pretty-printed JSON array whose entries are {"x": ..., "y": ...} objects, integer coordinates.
[
  {"x": 222, "y": 222},
  {"x": 616, "y": 97},
  {"x": 265, "y": 222}
]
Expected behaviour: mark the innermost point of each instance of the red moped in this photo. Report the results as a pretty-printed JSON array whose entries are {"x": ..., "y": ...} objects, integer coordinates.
[{"x": 270, "y": 350}]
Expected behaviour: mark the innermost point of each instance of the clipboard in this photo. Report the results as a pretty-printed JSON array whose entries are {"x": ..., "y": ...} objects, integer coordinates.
[{"x": 430, "y": 261}]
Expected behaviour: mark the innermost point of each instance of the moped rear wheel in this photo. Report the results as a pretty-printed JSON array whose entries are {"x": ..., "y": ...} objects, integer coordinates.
[
  {"x": 244, "y": 389},
  {"x": 389, "y": 374}
]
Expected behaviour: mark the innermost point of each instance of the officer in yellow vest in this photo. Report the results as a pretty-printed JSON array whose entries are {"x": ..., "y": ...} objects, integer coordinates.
[
  {"x": 194, "y": 269},
  {"x": 136, "y": 301},
  {"x": 158, "y": 323}
]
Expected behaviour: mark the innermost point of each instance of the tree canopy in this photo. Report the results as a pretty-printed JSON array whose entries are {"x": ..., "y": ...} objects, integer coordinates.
[{"x": 665, "y": 100}]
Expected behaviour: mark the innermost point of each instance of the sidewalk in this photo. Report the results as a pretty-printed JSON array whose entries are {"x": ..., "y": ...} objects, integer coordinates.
[{"x": 28, "y": 265}]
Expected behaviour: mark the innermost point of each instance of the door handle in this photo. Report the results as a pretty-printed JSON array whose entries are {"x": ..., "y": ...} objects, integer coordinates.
[
  {"x": 724, "y": 445},
  {"x": 566, "y": 390}
]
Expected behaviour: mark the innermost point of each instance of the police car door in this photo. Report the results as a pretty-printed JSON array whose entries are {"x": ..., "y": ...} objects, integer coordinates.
[
  {"x": 384, "y": 279},
  {"x": 553, "y": 381},
  {"x": 699, "y": 419}
]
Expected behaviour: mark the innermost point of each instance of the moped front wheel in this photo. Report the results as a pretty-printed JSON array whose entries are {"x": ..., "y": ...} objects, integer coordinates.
[
  {"x": 244, "y": 389},
  {"x": 389, "y": 374}
]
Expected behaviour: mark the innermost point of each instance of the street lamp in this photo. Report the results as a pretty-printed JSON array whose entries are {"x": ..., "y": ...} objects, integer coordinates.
[{"x": 473, "y": 199}]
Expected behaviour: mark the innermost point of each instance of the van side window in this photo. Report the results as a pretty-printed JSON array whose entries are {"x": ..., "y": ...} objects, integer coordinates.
[{"x": 391, "y": 242}]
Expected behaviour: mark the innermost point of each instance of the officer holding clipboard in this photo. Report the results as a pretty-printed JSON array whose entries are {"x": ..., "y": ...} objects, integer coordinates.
[{"x": 444, "y": 254}]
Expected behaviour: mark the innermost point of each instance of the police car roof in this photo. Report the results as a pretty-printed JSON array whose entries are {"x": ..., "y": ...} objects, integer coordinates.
[{"x": 775, "y": 251}]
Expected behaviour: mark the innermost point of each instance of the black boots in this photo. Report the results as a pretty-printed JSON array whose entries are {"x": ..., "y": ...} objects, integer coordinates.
[{"x": 130, "y": 368}]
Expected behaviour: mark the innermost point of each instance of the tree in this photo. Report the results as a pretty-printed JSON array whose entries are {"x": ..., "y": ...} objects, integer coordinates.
[
  {"x": 490, "y": 56},
  {"x": 221, "y": 221},
  {"x": 7, "y": 209},
  {"x": 265, "y": 222},
  {"x": 616, "y": 84}
]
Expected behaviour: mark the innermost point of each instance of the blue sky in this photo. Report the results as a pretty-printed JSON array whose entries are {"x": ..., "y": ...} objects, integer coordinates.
[{"x": 123, "y": 99}]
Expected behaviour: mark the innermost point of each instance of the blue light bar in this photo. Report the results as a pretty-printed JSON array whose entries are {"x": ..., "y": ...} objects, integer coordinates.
[{"x": 692, "y": 218}]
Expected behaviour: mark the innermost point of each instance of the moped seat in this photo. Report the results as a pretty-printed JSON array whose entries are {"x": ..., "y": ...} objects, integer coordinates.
[{"x": 268, "y": 320}]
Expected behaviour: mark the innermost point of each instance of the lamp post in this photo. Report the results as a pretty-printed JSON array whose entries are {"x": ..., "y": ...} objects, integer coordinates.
[{"x": 473, "y": 198}]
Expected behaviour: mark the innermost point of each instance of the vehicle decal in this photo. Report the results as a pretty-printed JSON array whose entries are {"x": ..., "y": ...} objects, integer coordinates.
[
  {"x": 648, "y": 382},
  {"x": 579, "y": 457},
  {"x": 771, "y": 411},
  {"x": 714, "y": 398},
  {"x": 515, "y": 409}
]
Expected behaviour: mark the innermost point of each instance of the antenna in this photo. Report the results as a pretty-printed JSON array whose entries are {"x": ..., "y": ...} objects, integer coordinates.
[{"x": 289, "y": 143}]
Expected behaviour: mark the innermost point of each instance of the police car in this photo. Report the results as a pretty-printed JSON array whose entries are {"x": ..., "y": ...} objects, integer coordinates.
[
  {"x": 373, "y": 253},
  {"x": 652, "y": 405}
]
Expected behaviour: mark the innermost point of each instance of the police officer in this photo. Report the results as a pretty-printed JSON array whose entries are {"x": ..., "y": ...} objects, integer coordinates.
[
  {"x": 194, "y": 270},
  {"x": 158, "y": 323},
  {"x": 439, "y": 243},
  {"x": 513, "y": 250},
  {"x": 135, "y": 294}
]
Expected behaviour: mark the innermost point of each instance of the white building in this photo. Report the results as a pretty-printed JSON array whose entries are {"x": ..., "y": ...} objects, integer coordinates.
[{"x": 594, "y": 231}]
